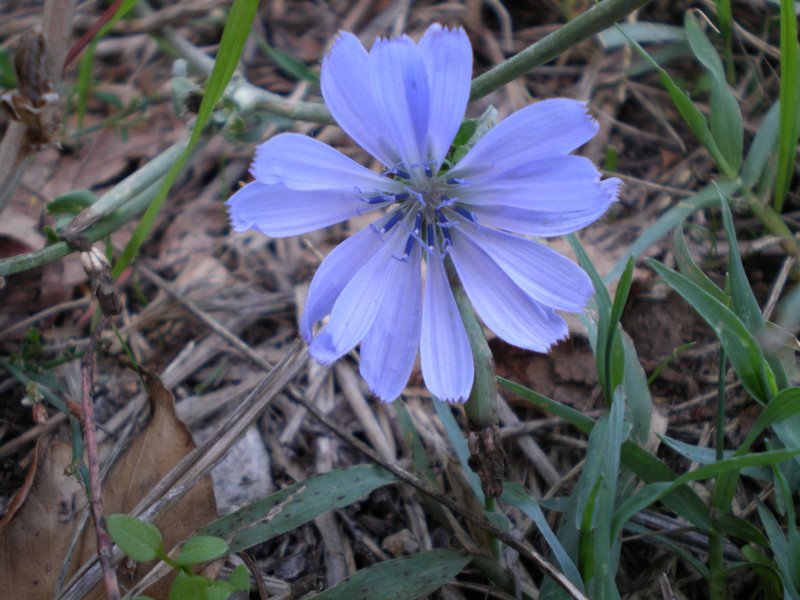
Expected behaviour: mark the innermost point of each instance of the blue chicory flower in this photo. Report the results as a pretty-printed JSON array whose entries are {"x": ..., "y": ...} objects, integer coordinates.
[{"x": 403, "y": 102}]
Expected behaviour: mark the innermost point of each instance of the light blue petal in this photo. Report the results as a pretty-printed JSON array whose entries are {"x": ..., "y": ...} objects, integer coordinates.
[
  {"x": 550, "y": 222},
  {"x": 566, "y": 183},
  {"x": 508, "y": 311},
  {"x": 540, "y": 224},
  {"x": 445, "y": 354},
  {"x": 303, "y": 163},
  {"x": 389, "y": 349},
  {"x": 280, "y": 212},
  {"x": 448, "y": 61},
  {"x": 355, "y": 310},
  {"x": 335, "y": 272},
  {"x": 347, "y": 91},
  {"x": 400, "y": 91},
  {"x": 546, "y": 129},
  {"x": 539, "y": 271}
]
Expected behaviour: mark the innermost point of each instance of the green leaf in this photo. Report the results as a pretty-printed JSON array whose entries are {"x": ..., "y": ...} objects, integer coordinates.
[
  {"x": 470, "y": 132},
  {"x": 739, "y": 344},
  {"x": 609, "y": 354},
  {"x": 400, "y": 579},
  {"x": 690, "y": 113},
  {"x": 615, "y": 352},
  {"x": 601, "y": 295},
  {"x": 418, "y": 456},
  {"x": 459, "y": 444},
  {"x": 139, "y": 540},
  {"x": 515, "y": 495},
  {"x": 87, "y": 61},
  {"x": 780, "y": 550},
  {"x": 606, "y": 545},
  {"x": 71, "y": 203},
  {"x": 743, "y": 300},
  {"x": 8, "y": 74},
  {"x": 202, "y": 548},
  {"x": 689, "y": 268},
  {"x": 194, "y": 587},
  {"x": 234, "y": 37},
  {"x": 297, "y": 504},
  {"x": 240, "y": 579},
  {"x": 762, "y": 146},
  {"x": 765, "y": 568},
  {"x": 731, "y": 526},
  {"x": 637, "y": 393},
  {"x": 789, "y": 97},
  {"x": 684, "y": 501},
  {"x": 287, "y": 63},
  {"x": 708, "y": 196},
  {"x": 644, "y": 32},
  {"x": 574, "y": 417},
  {"x": 725, "y": 117},
  {"x": 655, "y": 491}
]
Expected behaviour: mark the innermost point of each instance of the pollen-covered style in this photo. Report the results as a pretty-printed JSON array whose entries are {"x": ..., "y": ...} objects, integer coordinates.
[{"x": 403, "y": 103}]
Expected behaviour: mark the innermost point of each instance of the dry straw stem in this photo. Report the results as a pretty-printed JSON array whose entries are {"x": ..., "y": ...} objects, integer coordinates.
[
  {"x": 104, "y": 552},
  {"x": 15, "y": 151}
]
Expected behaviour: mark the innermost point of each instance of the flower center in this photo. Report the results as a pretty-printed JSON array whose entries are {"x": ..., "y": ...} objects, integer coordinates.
[{"x": 426, "y": 211}]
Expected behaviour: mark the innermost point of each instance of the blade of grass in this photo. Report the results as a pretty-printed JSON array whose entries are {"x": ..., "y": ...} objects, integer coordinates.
[
  {"x": 655, "y": 491},
  {"x": 708, "y": 196},
  {"x": 684, "y": 501},
  {"x": 789, "y": 97},
  {"x": 741, "y": 347},
  {"x": 690, "y": 113},
  {"x": 725, "y": 117},
  {"x": 515, "y": 495},
  {"x": 234, "y": 37}
]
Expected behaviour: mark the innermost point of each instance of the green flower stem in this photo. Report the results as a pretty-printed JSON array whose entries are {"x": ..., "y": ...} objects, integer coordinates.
[
  {"x": 127, "y": 188},
  {"x": 130, "y": 209},
  {"x": 481, "y": 408},
  {"x": 597, "y": 18},
  {"x": 487, "y": 457}
]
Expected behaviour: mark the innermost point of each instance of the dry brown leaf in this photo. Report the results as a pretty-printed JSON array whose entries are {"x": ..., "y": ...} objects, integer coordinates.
[
  {"x": 36, "y": 537},
  {"x": 36, "y": 532},
  {"x": 163, "y": 443}
]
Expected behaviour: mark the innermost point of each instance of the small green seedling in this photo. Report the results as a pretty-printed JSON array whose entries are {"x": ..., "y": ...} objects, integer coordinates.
[{"x": 143, "y": 542}]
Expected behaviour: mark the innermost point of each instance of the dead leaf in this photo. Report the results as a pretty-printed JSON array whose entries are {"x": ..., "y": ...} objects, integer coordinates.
[
  {"x": 36, "y": 532},
  {"x": 162, "y": 444},
  {"x": 35, "y": 537}
]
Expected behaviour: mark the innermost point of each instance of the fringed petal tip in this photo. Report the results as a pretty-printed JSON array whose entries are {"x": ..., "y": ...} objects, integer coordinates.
[
  {"x": 455, "y": 399},
  {"x": 612, "y": 187}
]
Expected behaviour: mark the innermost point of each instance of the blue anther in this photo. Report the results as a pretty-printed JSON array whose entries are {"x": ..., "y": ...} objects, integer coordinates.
[
  {"x": 442, "y": 219},
  {"x": 393, "y": 220},
  {"x": 431, "y": 239},
  {"x": 465, "y": 213},
  {"x": 418, "y": 223},
  {"x": 446, "y": 235},
  {"x": 409, "y": 246},
  {"x": 401, "y": 196},
  {"x": 402, "y": 174},
  {"x": 428, "y": 171},
  {"x": 455, "y": 181},
  {"x": 377, "y": 199}
]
